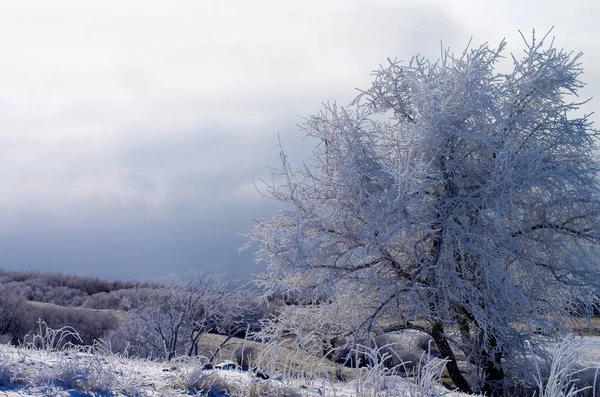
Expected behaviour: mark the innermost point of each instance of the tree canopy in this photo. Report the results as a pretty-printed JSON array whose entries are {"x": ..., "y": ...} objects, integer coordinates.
[{"x": 450, "y": 197}]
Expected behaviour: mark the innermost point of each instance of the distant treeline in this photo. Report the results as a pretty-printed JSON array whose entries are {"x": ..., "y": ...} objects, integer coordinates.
[{"x": 59, "y": 289}]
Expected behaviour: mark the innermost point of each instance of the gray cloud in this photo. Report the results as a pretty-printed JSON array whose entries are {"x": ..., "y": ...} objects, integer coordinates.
[{"x": 132, "y": 132}]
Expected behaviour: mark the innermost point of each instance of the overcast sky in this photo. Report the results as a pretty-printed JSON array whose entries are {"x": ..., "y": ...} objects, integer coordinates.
[{"x": 132, "y": 131}]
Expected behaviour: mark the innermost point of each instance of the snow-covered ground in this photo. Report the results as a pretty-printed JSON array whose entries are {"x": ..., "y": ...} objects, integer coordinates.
[
  {"x": 589, "y": 354},
  {"x": 26, "y": 372},
  {"x": 71, "y": 373}
]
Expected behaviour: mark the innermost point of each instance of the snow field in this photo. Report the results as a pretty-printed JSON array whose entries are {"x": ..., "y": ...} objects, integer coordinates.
[
  {"x": 78, "y": 372},
  {"x": 31, "y": 372}
]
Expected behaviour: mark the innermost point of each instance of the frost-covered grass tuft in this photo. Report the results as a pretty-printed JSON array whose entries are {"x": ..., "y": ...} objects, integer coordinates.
[
  {"x": 50, "y": 339},
  {"x": 565, "y": 377},
  {"x": 6, "y": 370},
  {"x": 210, "y": 384},
  {"x": 224, "y": 383},
  {"x": 86, "y": 373},
  {"x": 376, "y": 380}
]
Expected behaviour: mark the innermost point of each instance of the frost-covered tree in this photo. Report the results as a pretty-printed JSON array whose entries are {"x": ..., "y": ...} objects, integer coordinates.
[
  {"x": 453, "y": 198},
  {"x": 181, "y": 308}
]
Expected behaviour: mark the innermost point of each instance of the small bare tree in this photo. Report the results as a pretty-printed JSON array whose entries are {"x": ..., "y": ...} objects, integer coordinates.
[
  {"x": 179, "y": 305},
  {"x": 241, "y": 315},
  {"x": 211, "y": 307}
]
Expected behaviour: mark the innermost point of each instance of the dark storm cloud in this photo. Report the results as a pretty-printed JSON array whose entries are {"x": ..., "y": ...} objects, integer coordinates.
[{"x": 189, "y": 195}]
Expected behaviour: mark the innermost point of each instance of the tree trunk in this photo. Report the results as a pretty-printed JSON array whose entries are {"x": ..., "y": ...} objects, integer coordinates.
[
  {"x": 214, "y": 355},
  {"x": 439, "y": 337},
  {"x": 195, "y": 336},
  {"x": 493, "y": 374}
]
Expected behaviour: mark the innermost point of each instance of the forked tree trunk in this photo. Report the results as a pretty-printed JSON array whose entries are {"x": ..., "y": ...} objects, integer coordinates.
[
  {"x": 195, "y": 336},
  {"x": 439, "y": 337},
  {"x": 493, "y": 374}
]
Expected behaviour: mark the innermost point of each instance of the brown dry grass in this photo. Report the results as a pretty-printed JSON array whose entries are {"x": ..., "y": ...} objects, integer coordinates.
[
  {"x": 280, "y": 359},
  {"x": 119, "y": 314},
  {"x": 585, "y": 327}
]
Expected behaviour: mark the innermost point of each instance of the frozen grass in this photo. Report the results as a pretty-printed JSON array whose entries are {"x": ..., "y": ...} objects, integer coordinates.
[
  {"x": 566, "y": 378},
  {"x": 279, "y": 359},
  {"x": 210, "y": 383},
  {"x": 6, "y": 371},
  {"x": 68, "y": 370},
  {"x": 376, "y": 380},
  {"x": 87, "y": 374},
  {"x": 225, "y": 383},
  {"x": 52, "y": 339},
  {"x": 95, "y": 371},
  {"x": 42, "y": 372}
]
